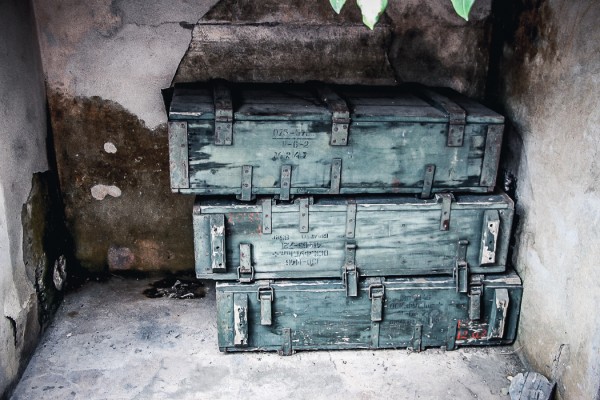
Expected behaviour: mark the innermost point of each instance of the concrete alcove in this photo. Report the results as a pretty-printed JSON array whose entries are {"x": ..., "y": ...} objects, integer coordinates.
[{"x": 104, "y": 64}]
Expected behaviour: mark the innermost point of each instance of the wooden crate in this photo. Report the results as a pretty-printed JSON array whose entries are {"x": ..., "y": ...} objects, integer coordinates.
[
  {"x": 415, "y": 313},
  {"x": 289, "y": 140},
  {"x": 347, "y": 238}
]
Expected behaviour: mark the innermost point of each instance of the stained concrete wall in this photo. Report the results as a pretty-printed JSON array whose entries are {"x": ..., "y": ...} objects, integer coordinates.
[
  {"x": 106, "y": 61},
  {"x": 549, "y": 86},
  {"x": 22, "y": 153}
]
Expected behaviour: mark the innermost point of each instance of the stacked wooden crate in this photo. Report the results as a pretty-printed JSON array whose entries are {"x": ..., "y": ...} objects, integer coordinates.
[{"x": 338, "y": 217}]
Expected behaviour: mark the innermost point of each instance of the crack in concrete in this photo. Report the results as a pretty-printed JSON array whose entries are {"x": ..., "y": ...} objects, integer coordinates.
[{"x": 13, "y": 325}]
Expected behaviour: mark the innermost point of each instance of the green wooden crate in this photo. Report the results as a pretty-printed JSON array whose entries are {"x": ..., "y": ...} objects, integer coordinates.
[
  {"x": 347, "y": 238},
  {"x": 288, "y": 140},
  {"x": 412, "y": 313}
]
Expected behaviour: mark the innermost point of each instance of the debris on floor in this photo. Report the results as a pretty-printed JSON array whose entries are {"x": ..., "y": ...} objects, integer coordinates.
[
  {"x": 176, "y": 288},
  {"x": 531, "y": 386}
]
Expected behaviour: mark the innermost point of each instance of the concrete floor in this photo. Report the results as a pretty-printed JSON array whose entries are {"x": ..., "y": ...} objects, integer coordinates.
[{"x": 109, "y": 341}]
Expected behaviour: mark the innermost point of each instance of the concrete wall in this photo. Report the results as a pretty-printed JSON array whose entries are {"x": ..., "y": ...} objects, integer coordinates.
[
  {"x": 106, "y": 62},
  {"x": 550, "y": 88},
  {"x": 22, "y": 153}
]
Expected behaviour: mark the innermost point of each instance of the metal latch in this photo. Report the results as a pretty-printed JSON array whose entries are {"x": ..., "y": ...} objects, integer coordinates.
[
  {"x": 461, "y": 268},
  {"x": 223, "y": 115},
  {"x": 498, "y": 314},
  {"x": 245, "y": 271},
  {"x": 475, "y": 293},
  {"x": 217, "y": 242},
  {"x": 457, "y": 116},
  {"x": 350, "y": 272},
  {"x": 489, "y": 236},
  {"x": 240, "y": 319},
  {"x": 376, "y": 294},
  {"x": 265, "y": 296}
]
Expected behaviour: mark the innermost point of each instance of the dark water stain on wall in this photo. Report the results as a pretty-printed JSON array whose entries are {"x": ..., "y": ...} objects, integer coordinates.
[{"x": 114, "y": 177}]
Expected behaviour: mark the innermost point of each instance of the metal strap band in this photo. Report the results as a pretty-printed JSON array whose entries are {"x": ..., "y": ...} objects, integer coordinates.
[
  {"x": 350, "y": 220},
  {"x": 240, "y": 319},
  {"x": 417, "y": 339},
  {"x": 428, "y": 176},
  {"x": 491, "y": 157},
  {"x": 336, "y": 176},
  {"x": 178, "y": 155},
  {"x": 498, "y": 314},
  {"x": 267, "y": 219},
  {"x": 286, "y": 182},
  {"x": 446, "y": 200},
  {"x": 303, "y": 213},
  {"x": 286, "y": 342},
  {"x": 246, "y": 183},
  {"x": 217, "y": 241},
  {"x": 457, "y": 117},
  {"x": 223, "y": 115},
  {"x": 489, "y": 236},
  {"x": 340, "y": 114}
]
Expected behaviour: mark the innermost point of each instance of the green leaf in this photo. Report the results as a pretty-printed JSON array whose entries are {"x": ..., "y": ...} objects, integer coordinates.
[
  {"x": 371, "y": 10},
  {"x": 463, "y": 7},
  {"x": 337, "y": 5}
]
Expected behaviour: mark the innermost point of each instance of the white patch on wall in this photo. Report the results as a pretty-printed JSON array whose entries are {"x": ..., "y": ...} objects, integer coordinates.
[
  {"x": 99, "y": 192},
  {"x": 110, "y": 148}
]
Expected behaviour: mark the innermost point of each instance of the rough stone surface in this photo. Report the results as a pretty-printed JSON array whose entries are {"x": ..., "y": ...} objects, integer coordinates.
[
  {"x": 549, "y": 85},
  {"x": 22, "y": 153},
  {"x": 434, "y": 46},
  {"x": 122, "y": 199},
  {"x": 110, "y": 342}
]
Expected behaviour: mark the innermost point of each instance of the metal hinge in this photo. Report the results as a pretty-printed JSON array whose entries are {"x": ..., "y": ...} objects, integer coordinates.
[
  {"x": 265, "y": 296},
  {"x": 350, "y": 272},
  {"x": 475, "y": 293},
  {"x": 245, "y": 271},
  {"x": 336, "y": 176},
  {"x": 461, "y": 268},
  {"x": 340, "y": 114},
  {"x": 446, "y": 200},
  {"x": 223, "y": 115}
]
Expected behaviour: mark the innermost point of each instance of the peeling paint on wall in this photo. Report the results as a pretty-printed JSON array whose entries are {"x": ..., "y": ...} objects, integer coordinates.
[{"x": 99, "y": 192}]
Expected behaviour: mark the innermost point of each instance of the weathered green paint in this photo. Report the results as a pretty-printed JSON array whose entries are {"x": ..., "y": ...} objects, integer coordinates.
[
  {"x": 393, "y": 236},
  {"x": 388, "y": 313},
  {"x": 384, "y": 142}
]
